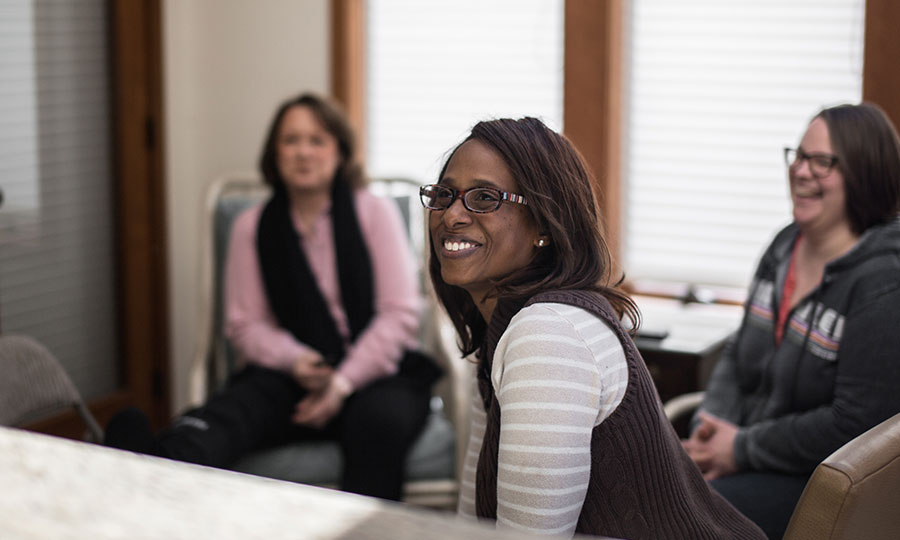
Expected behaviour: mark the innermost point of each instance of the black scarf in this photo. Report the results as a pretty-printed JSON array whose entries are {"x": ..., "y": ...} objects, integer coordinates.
[{"x": 290, "y": 286}]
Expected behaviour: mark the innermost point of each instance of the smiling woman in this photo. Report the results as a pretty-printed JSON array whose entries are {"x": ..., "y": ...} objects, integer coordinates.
[
  {"x": 567, "y": 435},
  {"x": 807, "y": 371}
]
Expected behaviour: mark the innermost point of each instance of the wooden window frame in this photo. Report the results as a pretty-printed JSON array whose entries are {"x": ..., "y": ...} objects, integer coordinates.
[
  {"x": 593, "y": 101},
  {"x": 594, "y": 77},
  {"x": 592, "y": 86},
  {"x": 881, "y": 79},
  {"x": 348, "y": 63}
]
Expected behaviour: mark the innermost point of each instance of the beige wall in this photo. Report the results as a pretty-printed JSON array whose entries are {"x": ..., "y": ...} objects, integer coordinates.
[{"x": 226, "y": 65}]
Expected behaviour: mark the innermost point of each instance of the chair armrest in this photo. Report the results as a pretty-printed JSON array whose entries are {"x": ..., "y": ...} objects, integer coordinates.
[
  {"x": 680, "y": 406},
  {"x": 456, "y": 387}
]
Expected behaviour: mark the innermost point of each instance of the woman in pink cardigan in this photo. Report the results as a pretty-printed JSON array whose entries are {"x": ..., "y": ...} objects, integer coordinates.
[{"x": 322, "y": 304}]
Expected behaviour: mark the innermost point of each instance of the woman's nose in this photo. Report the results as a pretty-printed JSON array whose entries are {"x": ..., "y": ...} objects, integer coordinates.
[
  {"x": 456, "y": 213},
  {"x": 801, "y": 168}
]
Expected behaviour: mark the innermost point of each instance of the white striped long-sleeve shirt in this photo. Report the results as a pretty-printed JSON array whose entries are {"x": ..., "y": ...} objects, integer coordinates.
[{"x": 558, "y": 371}]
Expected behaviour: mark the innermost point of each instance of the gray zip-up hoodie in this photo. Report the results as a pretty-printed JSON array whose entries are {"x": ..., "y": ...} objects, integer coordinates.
[{"x": 836, "y": 372}]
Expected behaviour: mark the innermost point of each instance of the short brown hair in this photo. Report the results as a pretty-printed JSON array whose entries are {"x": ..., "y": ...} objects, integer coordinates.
[
  {"x": 868, "y": 151},
  {"x": 555, "y": 181},
  {"x": 334, "y": 121}
]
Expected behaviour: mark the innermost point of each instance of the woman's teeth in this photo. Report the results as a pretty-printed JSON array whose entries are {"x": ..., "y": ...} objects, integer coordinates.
[{"x": 457, "y": 246}]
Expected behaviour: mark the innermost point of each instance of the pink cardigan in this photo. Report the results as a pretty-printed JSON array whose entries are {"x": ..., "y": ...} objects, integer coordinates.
[{"x": 251, "y": 325}]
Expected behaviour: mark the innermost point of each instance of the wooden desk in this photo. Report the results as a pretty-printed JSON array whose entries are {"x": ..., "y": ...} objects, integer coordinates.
[
  {"x": 55, "y": 488},
  {"x": 695, "y": 335}
]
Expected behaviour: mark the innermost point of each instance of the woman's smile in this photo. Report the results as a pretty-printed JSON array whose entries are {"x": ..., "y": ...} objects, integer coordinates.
[
  {"x": 459, "y": 247},
  {"x": 475, "y": 250}
]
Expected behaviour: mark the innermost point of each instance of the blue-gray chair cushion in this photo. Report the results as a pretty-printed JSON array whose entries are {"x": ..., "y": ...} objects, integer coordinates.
[{"x": 321, "y": 462}]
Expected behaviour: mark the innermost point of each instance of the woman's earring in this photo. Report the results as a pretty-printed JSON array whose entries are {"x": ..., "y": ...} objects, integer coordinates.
[{"x": 541, "y": 242}]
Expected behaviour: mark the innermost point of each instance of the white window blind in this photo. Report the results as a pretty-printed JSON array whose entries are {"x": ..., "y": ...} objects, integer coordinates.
[
  {"x": 436, "y": 68},
  {"x": 717, "y": 89},
  {"x": 56, "y": 255}
]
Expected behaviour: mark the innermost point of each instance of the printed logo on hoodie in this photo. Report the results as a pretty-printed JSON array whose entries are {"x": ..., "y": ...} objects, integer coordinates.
[{"x": 824, "y": 335}]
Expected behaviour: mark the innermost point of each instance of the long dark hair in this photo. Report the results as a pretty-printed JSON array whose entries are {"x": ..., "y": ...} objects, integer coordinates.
[
  {"x": 868, "y": 151},
  {"x": 333, "y": 120},
  {"x": 555, "y": 181}
]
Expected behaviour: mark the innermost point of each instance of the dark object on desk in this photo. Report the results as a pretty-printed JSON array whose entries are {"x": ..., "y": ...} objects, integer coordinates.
[{"x": 656, "y": 334}]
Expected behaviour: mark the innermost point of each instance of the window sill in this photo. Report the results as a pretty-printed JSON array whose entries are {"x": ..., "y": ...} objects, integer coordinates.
[{"x": 687, "y": 292}]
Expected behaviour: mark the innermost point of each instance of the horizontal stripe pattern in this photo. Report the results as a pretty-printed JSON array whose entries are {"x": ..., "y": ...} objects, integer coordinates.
[{"x": 558, "y": 372}]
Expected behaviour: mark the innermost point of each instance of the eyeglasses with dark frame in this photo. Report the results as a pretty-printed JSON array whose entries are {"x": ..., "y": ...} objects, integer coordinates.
[
  {"x": 820, "y": 164},
  {"x": 480, "y": 200}
]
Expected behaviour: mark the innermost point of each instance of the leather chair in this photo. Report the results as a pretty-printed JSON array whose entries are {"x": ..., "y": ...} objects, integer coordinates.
[
  {"x": 436, "y": 456},
  {"x": 855, "y": 493}
]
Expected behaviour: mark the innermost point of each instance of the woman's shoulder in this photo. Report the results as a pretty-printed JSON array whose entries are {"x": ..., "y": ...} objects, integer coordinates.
[
  {"x": 367, "y": 200},
  {"x": 783, "y": 241},
  {"x": 553, "y": 317},
  {"x": 561, "y": 338},
  {"x": 376, "y": 212},
  {"x": 777, "y": 252},
  {"x": 247, "y": 219}
]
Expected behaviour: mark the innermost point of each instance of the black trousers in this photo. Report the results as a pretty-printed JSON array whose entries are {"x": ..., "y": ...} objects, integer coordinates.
[
  {"x": 375, "y": 428},
  {"x": 768, "y": 499}
]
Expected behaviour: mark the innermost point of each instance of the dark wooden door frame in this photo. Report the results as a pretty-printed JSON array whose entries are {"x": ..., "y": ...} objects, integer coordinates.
[
  {"x": 136, "y": 46},
  {"x": 139, "y": 218}
]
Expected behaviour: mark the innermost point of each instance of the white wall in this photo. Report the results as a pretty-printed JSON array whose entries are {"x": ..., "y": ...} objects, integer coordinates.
[{"x": 226, "y": 65}]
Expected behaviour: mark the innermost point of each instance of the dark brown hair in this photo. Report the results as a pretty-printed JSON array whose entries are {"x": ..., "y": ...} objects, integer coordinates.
[
  {"x": 333, "y": 120},
  {"x": 868, "y": 151},
  {"x": 555, "y": 181}
]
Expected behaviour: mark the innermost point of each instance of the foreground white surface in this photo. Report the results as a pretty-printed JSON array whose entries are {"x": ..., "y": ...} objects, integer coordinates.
[{"x": 57, "y": 488}]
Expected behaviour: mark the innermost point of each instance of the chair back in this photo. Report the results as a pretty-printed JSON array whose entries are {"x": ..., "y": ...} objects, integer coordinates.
[
  {"x": 34, "y": 385},
  {"x": 855, "y": 492},
  {"x": 215, "y": 358}
]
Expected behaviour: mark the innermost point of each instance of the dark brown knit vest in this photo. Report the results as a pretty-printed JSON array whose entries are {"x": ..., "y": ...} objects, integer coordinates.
[{"x": 642, "y": 484}]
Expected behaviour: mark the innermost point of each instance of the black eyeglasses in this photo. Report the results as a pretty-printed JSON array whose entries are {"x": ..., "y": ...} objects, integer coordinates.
[
  {"x": 480, "y": 200},
  {"x": 819, "y": 164}
]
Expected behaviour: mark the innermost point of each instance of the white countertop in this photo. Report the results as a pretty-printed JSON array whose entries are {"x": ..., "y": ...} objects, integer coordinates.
[{"x": 52, "y": 488}]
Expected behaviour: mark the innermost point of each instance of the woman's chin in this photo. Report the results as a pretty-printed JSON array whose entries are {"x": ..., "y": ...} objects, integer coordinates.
[{"x": 803, "y": 215}]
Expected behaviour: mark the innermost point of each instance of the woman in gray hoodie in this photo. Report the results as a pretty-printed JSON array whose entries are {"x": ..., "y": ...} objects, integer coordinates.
[{"x": 815, "y": 361}]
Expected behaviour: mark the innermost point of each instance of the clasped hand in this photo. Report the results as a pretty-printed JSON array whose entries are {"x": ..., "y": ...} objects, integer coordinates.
[
  {"x": 327, "y": 391},
  {"x": 318, "y": 408},
  {"x": 311, "y": 372},
  {"x": 711, "y": 446}
]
